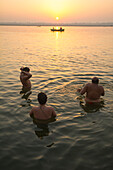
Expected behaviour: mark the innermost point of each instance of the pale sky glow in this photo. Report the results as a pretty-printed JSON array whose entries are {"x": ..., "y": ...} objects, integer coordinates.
[{"x": 69, "y": 11}]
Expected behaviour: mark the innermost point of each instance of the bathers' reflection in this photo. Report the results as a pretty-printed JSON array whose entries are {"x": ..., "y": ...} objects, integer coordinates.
[
  {"x": 42, "y": 127},
  {"x": 90, "y": 106},
  {"x": 42, "y": 133},
  {"x": 25, "y": 95}
]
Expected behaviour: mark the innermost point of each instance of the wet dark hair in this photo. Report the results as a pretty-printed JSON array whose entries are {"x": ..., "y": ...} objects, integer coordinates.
[
  {"x": 95, "y": 80},
  {"x": 26, "y": 69},
  {"x": 42, "y": 98}
]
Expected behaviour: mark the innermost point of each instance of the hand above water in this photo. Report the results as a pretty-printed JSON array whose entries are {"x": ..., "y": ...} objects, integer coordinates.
[
  {"x": 78, "y": 90},
  {"x": 21, "y": 68}
]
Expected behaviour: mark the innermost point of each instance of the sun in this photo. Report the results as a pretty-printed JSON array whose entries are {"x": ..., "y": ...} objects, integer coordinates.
[{"x": 57, "y": 18}]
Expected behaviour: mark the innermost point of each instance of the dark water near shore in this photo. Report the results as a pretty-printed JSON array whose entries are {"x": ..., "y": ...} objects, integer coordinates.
[{"x": 60, "y": 63}]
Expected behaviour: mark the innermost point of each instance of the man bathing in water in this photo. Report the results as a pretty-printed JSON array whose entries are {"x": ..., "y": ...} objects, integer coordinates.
[
  {"x": 25, "y": 75},
  {"x": 93, "y": 91},
  {"x": 42, "y": 112}
]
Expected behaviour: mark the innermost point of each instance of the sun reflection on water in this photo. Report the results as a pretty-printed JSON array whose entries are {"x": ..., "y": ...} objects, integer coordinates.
[{"x": 57, "y": 35}]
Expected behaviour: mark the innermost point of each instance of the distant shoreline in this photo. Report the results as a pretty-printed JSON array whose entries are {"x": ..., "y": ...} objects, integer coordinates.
[{"x": 54, "y": 24}]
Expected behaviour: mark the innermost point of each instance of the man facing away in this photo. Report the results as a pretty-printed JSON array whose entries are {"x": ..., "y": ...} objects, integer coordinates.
[
  {"x": 42, "y": 112},
  {"x": 25, "y": 75},
  {"x": 93, "y": 91}
]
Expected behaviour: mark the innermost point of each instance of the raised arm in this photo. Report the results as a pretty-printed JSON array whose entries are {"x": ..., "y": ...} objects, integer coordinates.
[
  {"x": 83, "y": 90},
  {"x": 27, "y": 75}
]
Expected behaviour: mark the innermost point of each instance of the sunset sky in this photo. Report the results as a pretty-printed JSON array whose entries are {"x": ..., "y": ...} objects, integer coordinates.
[{"x": 68, "y": 11}]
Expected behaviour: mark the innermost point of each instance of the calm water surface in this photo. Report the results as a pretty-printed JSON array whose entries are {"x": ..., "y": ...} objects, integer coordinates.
[{"x": 60, "y": 62}]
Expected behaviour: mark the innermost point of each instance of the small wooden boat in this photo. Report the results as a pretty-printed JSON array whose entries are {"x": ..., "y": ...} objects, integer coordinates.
[{"x": 56, "y": 29}]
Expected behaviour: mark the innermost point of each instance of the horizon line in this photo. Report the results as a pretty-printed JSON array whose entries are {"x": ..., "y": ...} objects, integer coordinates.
[{"x": 55, "y": 24}]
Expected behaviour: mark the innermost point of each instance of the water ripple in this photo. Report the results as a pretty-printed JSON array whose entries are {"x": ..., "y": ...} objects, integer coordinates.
[{"x": 60, "y": 64}]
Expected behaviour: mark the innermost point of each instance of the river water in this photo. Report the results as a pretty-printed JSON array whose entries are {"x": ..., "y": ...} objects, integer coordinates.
[{"x": 60, "y": 62}]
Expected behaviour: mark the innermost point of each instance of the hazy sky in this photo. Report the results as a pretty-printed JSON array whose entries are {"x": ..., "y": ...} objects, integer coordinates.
[{"x": 47, "y": 10}]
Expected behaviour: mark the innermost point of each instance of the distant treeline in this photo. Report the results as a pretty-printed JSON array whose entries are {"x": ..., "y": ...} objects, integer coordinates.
[{"x": 55, "y": 24}]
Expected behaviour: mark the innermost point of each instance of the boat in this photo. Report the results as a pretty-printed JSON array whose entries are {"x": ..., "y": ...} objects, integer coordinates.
[{"x": 56, "y": 29}]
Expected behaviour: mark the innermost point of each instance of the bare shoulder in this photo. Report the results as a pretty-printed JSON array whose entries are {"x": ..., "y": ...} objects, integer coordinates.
[
  {"x": 88, "y": 84},
  {"x": 50, "y": 107},
  {"x": 52, "y": 110},
  {"x": 34, "y": 108},
  {"x": 101, "y": 87}
]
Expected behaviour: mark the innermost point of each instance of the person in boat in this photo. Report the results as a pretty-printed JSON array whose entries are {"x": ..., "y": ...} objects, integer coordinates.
[
  {"x": 42, "y": 113},
  {"x": 93, "y": 91},
  {"x": 25, "y": 75}
]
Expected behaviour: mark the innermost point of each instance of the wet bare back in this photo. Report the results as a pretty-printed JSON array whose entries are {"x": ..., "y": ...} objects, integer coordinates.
[
  {"x": 43, "y": 112},
  {"x": 93, "y": 91}
]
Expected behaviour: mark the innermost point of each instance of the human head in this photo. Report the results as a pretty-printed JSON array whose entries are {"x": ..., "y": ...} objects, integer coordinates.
[
  {"x": 42, "y": 98},
  {"x": 26, "y": 69},
  {"x": 95, "y": 80}
]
